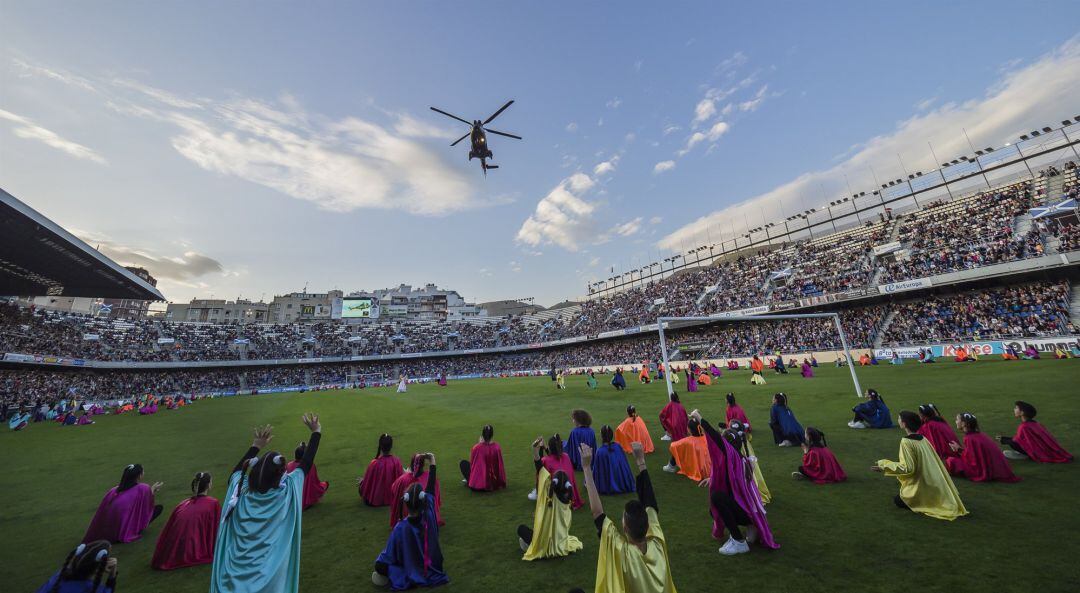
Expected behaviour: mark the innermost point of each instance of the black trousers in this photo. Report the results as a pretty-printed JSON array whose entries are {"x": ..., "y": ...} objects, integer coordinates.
[
  {"x": 157, "y": 512},
  {"x": 1013, "y": 445},
  {"x": 899, "y": 502},
  {"x": 730, "y": 513},
  {"x": 466, "y": 469},
  {"x": 525, "y": 533}
]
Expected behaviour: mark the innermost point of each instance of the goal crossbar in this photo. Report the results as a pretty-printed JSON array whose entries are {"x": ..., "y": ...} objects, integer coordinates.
[{"x": 662, "y": 321}]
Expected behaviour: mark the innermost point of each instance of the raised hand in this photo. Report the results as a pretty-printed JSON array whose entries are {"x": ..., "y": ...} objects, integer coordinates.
[
  {"x": 263, "y": 434},
  {"x": 696, "y": 415},
  {"x": 586, "y": 455},
  {"x": 539, "y": 442},
  {"x": 704, "y": 483},
  {"x": 955, "y": 446},
  {"x": 156, "y": 486},
  {"x": 431, "y": 458},
  {"x": 311, "y": 420},
  {"x": 876, "y": 468}
]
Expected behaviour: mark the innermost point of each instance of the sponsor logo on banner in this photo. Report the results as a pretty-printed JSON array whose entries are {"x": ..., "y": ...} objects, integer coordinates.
[
  {"x": 886, "y": 248},
  {"x": 905, "y": 286},
  {"x": 784, "y": 306},
  {"x": 979, "y": 348},
  {"x": 165, "y": 340},
  {"x": 611, "y": 334},
  {"x": 1066, "y": 343},
  {"x": 886, "y": 353},
  {"x": 759, "y": 310}
]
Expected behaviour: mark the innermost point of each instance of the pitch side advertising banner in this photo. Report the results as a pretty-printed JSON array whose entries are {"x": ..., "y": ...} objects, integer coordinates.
[
  {"x": 886, "y": 353},
  {"x": 759, "y": 310},
  {"x": 1066, "y": 343},
  {"x": 979, "y": 348},
  {"x": 905, "y": 286}
]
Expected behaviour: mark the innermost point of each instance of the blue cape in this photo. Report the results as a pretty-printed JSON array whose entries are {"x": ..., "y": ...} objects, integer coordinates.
[
  {"x": 876, "y": 412},
  {"x": 405, "y": 552},
  {"x": 611, "y": 470},
  {"x": 581, "y": 434},
  {"x": 74, "y": 586},
  {"x": 789, "y": 426}
]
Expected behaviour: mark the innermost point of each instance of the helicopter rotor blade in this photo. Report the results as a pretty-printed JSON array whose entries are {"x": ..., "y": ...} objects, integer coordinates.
[
  {"x": 496, "y": 114},
  {"x": 466, "y": 122},
  {"x": 460, "y": 139},
  {"x": 490, "y": 131}
]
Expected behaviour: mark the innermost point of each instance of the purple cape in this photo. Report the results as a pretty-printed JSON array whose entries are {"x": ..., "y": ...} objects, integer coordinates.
[
  {"x": 743, "y": 490},
  {"x": 122, "y": 516}
]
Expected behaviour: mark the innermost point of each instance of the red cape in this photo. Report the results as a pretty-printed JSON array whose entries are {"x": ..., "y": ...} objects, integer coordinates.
[
  {"x": 313, "y": 488},
  {"x": 736, "y": 413},
  {"x": 981, "y": 461},
  {"x": 376, "y": 488},
  {"x": 821, "y": 466},
  {"x": 487, "y": 471},
  {"x": 673, "y": 418},
  {"x": 397, "y": 490},
  {"x": 1040, "y": 444},
  {"x": 563, "y": 463},
  {"x": 188, "y": 538},
  {"x": 940, "y": 435}
]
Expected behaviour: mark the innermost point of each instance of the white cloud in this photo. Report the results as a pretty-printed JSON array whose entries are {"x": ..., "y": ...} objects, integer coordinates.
[
  {"x": 753, "y": 104},
  {"x": 606, "y": 167},
  {"x": 670, "y": 128},
  {"x": 628, "y": 228},
  {"x": 656, "y": 220},
  {"x": 712, "y": 135},
  {"x": 515, "y": 266},
  {"x": 726, "y": 111},
  {"x": 485, "y": 272},
  {"x": 571, "y": 127},
  {"x": 25, "y": 128},
  {"x": 1033, "y": 96},
  {"x": 185, "y": 267},
  {"x": 613, "y": 103},
  {"x": 411, "y": 127},
  {"x": 157, "y": 94},
  {"x": 705, "y": 109},
  {"x": 593, "y": 262},
  {"x": 925, "y": 104},
  {"x": 563, "y": 217},
  {"x": 728, "y": 65},
  {"x": 26, "y": 69},
  {"x": 663, "y": 166}
]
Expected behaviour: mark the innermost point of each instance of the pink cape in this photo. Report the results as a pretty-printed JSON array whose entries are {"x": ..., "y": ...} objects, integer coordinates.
[
  {"x": 313, "y": 488},
  {"x": 188, "y": 538},
  {"x": 981, "y": 461},
  {"x": 736, "y": 413},
  {"x": 563, "y": 463},
  {"x": 84, "y": 420},
  {"x": 487, "y": 471},
  {"x": 940, "y": 435},
  {"x": 822, "y": 467},
  {"x": 1040, "y": 444},
  {"x": 377, "y": 486},
  {"x": 122, "y": 516},
  {"x": 397, "y": 490},
  {"x": 673, "y": 418},
  {"x": 743, "y": 489}
]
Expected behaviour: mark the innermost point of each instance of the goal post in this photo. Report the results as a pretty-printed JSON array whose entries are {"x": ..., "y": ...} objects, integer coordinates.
[{"x": 661, "y": 322}]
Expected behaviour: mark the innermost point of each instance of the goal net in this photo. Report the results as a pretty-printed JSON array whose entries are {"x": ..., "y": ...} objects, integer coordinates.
[{"x": 742, "y": 336}]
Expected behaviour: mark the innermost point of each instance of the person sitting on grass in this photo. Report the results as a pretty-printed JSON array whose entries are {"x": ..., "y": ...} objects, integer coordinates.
[
  {"x": 83, "y": 570},
  {"x": 925, "y": 485},
  {"x": 484, "y": 471},
  {"x": 978, "y": 459},
  {"x": 634, "y": 558},
  {"x": 1032, "y": 440},
  {"x": 610, "y": 470},
  {"x": 554, "y": 460},
  {"x": 690, "y": 456},
  {"x": 787, "y": 432},
  {"x": 819, "y": 464},
  {"x": 417, "y": 474},
  {"x": 872, "y": 413},
  {"x": 550, "y": 536},
  {"x": 673, "y": 419},
  {"x": 734, "y": 499},
  {"x": 127, "y": 509},
  {"x": 258, "y": 546},
  {"x": 412, "y": 556},
  {"x": 313, "y": 488},
  {"x": 735, "y": 412},
  {"x": 582, "y": 433},
  {"x": 591, "y": 380},
  {"x": 377, "y": 483},
  {"x": 618, "y": 381},
  {"x": 189, "y": 535},
  {"x": 937, "y": 431},
  {"x": 633, "y": 429}
]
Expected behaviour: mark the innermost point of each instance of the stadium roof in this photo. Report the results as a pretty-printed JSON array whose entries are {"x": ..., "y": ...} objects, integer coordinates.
[{"x": 39, "y": 258}]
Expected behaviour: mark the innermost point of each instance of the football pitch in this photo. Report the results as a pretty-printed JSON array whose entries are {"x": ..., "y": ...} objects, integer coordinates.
[{"x": 849, "y": 536}]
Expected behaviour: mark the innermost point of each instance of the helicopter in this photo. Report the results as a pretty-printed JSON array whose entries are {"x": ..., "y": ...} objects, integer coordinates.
[{"x": 479, "y": 149}]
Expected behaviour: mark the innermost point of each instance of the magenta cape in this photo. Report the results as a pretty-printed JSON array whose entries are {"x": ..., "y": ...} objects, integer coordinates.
[
  {"x": 822, "y": 467},
  {"x": 940, "y": 435},
  {"x": 807, "y": 372},
  {"x": 981, "y": 461},
  {"x": 673, "y": 419},
  {"x": 487, "y": 471},
  {"x": 313, "y": 488},
  {"x": 377, "y": 486},
  {"x": 122, "y": 516},
  {"x": 563, "y": 463},
  {"x": 188, "y": 538},
  {"x": 743, "y": 489},
  {"x": 1040, "y": 444},
  {"x": 736, "y": 413},
  {"x": 397, "y": 490}
]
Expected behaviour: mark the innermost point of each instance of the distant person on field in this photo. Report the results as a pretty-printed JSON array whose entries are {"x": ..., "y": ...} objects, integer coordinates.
[
  {"x": 1032, "y": 440},
  {"x": 872, "y": 413},
  {"x": 787, "y": 432},
  {"x": 819, "y": 464}
]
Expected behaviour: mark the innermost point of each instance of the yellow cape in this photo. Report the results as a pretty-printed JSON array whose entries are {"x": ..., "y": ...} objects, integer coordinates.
[
  {"x": 621, "y": 566},
  {"x": 925, "y": 485},
  {"x": 759, "y": 479},
  {"x": 551, "y": 524}
]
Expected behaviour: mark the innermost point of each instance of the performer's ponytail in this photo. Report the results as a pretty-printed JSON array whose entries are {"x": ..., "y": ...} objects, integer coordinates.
[
  {"x": 386, "y": 443},
  {"x": 200, "y": 484}
]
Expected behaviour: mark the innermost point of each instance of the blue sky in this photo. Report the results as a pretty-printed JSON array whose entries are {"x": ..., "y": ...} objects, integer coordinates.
[{"x": 248, "y": 149}]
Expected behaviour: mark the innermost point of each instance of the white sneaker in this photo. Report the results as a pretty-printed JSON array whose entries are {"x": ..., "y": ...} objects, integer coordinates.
[
  {"x": 1015, "y": 455},
  {"x": 851, "y": 424},
  {"x": 532, "y": 495},
  {"x": 671, "y": 468},
  {"x": 786, "y": 443},
  {"x": 379, "y": 579},
  {"x": 860, "y": 425},
  {"x": 732, "y": 547},
  {"x": 464, "y": 481},
  {"x": 751, "y": 534},
  {"x": 798, "y": 475},
  {"x": 666, "y": 437},
  {"x": 524, "y": 546}
]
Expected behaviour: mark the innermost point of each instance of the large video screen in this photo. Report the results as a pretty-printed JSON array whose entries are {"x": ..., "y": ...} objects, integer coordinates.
[{"x": 352, "y": 308}]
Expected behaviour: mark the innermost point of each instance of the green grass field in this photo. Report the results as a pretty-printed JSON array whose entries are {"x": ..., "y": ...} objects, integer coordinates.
[{"x": 1019, "y": 537}]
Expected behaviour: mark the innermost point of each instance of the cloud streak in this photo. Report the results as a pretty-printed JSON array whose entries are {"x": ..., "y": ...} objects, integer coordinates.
[{"x": 26, "y": 129}]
